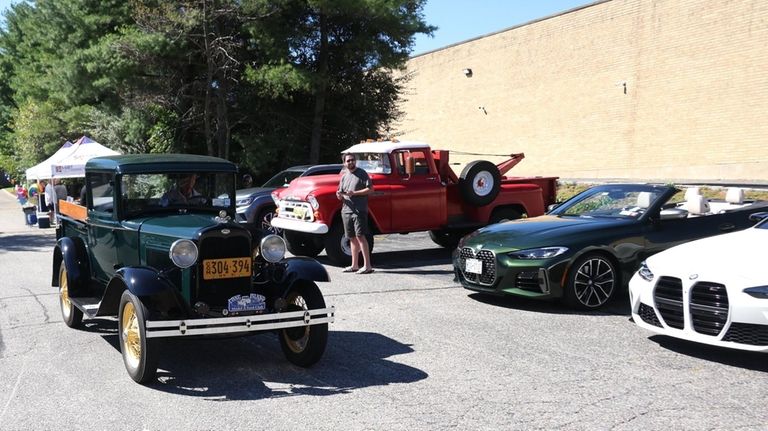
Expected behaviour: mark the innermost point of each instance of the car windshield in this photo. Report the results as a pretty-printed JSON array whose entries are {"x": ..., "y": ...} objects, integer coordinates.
[
  {"x": 374, "y": 163},
  {"x": 191, "y": 190},
  {"x": 282, "y": 179},
  {"x": 624, "y": 201}
]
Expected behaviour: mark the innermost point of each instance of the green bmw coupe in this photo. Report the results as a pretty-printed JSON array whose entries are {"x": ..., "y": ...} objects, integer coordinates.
[{"x": 587, "y": 248}]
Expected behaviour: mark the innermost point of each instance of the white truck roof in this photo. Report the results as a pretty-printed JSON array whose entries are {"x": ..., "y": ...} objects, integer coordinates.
[{"x": 385, "y": 146}]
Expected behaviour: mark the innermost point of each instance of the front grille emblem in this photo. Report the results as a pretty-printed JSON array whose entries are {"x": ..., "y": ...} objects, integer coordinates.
[
  {"x": 693, "y": 276},
  {"x": 225, "y": 231}
]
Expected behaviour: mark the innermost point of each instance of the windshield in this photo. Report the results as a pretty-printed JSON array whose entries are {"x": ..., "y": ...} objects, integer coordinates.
[
  {"x": 626, "y": 201},
  {"x": 282, "y": 179},
  {"x": 191, "y": 190},
  {"x": 374, "y": 163}
]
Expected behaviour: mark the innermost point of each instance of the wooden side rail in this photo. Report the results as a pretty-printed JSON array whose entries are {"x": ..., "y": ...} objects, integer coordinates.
[{"x": 77, "y": 212}]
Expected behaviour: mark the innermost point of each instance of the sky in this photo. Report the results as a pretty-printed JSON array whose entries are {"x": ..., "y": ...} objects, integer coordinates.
[{"x": 460, "y": 20}]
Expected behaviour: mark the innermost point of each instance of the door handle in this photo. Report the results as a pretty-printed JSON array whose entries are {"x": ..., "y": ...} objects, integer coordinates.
[{"x": 725, "y": 227}]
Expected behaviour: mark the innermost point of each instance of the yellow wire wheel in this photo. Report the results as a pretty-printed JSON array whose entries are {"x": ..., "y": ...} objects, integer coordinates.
[
  {"x": 304, "y": 345},
  {"x": 71, "y": 315},
  {"x": 139, "y": 353}
]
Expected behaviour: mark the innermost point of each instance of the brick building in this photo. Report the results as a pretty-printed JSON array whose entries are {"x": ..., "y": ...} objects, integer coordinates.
[{"x": 638, "y": 89}]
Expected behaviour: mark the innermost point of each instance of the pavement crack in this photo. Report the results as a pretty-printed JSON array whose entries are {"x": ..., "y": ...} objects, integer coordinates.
[{"x": 37, "y": 299}]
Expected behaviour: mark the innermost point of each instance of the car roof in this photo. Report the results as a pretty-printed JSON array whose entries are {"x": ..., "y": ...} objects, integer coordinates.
[
  {"x": 384, "y": 146},
  {"x": 139, "y": 163}
]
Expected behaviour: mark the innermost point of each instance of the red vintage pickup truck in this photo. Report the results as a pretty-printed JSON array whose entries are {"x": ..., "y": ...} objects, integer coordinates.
[{"x": 415, "y": 190}]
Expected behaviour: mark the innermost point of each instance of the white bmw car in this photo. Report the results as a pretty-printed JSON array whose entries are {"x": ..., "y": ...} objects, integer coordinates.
[{"x": 712, "y": 291}]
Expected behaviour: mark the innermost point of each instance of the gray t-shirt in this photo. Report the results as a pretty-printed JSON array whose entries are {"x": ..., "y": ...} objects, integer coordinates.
[{"x": 354, "y": 181}]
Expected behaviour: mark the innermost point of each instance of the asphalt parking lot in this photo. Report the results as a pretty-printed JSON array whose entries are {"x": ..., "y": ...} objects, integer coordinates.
[{"x": 410, "y": 349}]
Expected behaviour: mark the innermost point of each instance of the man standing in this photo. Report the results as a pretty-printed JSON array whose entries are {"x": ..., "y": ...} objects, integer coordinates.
[
  {"x": 354, "y": 187},
  {"x": 50, "y": 198}
]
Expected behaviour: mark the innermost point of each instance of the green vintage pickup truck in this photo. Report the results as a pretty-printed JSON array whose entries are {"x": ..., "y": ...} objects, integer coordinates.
[{"x": 155, "y": 245}]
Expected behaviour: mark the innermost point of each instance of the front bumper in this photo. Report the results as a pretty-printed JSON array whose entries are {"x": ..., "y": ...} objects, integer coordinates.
[
  {"x": 238, "y": 324},
  {"x": 503, "y": 275},
  {"x": 675, "y": 307},
  {"x": 300, "y": 226}
]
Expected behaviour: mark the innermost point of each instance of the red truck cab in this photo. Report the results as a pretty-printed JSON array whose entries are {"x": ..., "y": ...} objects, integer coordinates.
[{"x": 414, "y": 189}]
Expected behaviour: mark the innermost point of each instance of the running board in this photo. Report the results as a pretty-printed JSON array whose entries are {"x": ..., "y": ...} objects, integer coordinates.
[{"x": 89, "y": 306}]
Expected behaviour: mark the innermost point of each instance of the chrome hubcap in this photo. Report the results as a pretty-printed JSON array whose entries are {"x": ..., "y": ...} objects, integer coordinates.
[
  {"x": 483, "y": 183},
  {"x": 593, "y": 283}
]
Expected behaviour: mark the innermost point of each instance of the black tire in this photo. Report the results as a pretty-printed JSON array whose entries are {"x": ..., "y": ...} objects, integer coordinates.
[
  {"x": 480, "y": 182},
  {"x": 304, "y": 346},
  {"x": 504, "y": 214},
  {"x": 139, "y": 353},
  {"x": 337, "y": 245},
  {"x": 445, "y": 237},
  {"x": 302, "y": 244},
  {"x": 592, "y": 282},
  {"x": 71, "y": 315},
  {"x": 264, "y": 221}
]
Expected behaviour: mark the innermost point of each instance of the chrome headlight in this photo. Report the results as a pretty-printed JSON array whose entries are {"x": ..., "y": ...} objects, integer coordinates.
[
  {"x": 313, "y": 201},
  {"x": 645, "y": 272},
  {"x": 244, "y": 201},
  {"x": 183, "y": 253},
  {"x": 275, "y": 199},
  {"x": 538, "y": 253},
  {"x": 272, "y": 248}
]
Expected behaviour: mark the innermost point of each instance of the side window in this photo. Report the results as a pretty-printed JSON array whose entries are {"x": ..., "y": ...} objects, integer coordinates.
[
  {"x": 101, "y": 198},
  {"x": 420, "y": 163}
]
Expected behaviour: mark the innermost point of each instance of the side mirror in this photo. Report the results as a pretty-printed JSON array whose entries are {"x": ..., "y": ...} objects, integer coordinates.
[
  {"x": 758, "y": 217},
  {"x": 550, "y": 207},
  {"x": 410, "y": 165}
]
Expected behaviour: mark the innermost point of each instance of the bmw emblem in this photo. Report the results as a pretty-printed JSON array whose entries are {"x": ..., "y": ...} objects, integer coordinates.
[
  {"x": 225, "y": 231},
  {"x": 693, "y": 276}
]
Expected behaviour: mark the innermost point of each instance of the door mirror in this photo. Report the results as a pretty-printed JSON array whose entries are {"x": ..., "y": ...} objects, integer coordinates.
[
  {"x": 550, "y": 207},
  {"x": 758, "y": 217},
  {"x": 410, "y": 165}
]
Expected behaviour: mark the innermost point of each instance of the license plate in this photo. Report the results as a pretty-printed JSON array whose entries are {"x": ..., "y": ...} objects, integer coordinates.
[
  {"x": 299, "y": 212},
  {"x": 232, "y": 267},
  {"x": 252, "y": 302},
  {"x": 474, "y": 266}
]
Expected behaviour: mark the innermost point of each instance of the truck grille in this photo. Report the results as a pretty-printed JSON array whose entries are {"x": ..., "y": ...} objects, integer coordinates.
[
  {"x": 296, "y": 210},
  {"x": 668, "y": 296},
  {"x": 489, "y": 266},
  {"x": 709, "y": 307},
  {"x": 648, "y": 315},
  {"x": 747, "y": 333},
  {"x": 214, "y": 245}
]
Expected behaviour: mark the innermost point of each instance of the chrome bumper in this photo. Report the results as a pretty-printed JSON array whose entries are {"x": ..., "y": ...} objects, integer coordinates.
[
  {"x": 300, "y": 226},
  {"x": 231, "y": 325}
]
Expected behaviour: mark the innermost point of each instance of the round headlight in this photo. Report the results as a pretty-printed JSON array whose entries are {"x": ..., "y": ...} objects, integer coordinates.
[
  {"x": 313, "y": 201},
  {"x": 272, "y": 248},
  {"x": 183, "y": 253}
]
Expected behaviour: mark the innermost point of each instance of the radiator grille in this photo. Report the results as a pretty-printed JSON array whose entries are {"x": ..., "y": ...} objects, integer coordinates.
[
  {"x": 296, "y": 210},
  {"x": 489, "y": 265},
  {"x": 648, "y": 315},
  {"x": 668, "y": 295},
  {"x": 747, "y": 333},
  {"x": 215, "y": 293},
  {"x": 709, "y": 307}
]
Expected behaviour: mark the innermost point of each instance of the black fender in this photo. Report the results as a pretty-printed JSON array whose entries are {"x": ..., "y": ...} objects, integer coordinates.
[
  {"x": 155, "y": 291},
  {"x": 304, "y": 268},
  {"x": 72, "y": 251}
]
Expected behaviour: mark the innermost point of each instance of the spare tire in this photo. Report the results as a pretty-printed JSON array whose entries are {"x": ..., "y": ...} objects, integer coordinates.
[{"x": 480, "y": 182}]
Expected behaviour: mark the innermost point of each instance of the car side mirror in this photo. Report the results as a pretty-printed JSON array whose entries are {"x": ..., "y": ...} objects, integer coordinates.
[
  {"x": 758, "y": 217},
  {"x": 550, "y": 207},
  {"x": 410, "y": 165}
]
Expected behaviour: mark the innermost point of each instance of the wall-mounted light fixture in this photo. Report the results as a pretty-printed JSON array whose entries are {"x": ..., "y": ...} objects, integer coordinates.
[{"x": 467, "y": 72}]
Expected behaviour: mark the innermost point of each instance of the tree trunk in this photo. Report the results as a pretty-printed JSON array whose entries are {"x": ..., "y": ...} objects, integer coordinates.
[
  {"x": 320, "y": 94},
  {"x": 208, "y": 83}
]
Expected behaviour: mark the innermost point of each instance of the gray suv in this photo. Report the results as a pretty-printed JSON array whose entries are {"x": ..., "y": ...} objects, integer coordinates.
[{"x": 255, "y": 205}]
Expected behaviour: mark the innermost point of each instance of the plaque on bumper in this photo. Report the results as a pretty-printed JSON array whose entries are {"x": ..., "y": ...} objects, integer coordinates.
[
  {"x": 474, "y": 266},
  {"x": 252, "y": 302},
  {"x": 232, "y": 267}
]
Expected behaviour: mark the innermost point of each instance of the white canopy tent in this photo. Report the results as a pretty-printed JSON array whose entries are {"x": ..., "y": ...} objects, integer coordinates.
[
  {"x": 42, "y": 170},
  {"x": 73, "y": 164}
]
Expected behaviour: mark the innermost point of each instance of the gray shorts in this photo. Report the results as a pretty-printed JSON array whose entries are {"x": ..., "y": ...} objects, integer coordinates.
[{"x": 355, "y": 224}]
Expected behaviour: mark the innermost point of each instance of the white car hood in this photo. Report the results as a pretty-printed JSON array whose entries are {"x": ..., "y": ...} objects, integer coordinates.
[{"x": 739, "y": 256}]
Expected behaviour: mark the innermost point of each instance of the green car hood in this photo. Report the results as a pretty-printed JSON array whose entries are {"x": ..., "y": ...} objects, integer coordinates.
[
  {"x": 177, "y": 225},
  {"x": 542, "y": 231}
]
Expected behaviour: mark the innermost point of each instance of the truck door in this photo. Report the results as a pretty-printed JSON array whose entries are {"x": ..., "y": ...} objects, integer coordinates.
[
  {"x": 419, "y": 199},
  {"x": 102, "y": 225}
]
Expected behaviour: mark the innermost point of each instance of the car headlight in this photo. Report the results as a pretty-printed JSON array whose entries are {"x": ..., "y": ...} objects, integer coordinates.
[
  {"x": 272, "y": 248},
  {"x": 645, "y": 272},
  {"x": 183, "y": 253},
  {"x": 244, "y": 201},
  {"x": 538, "y": 253},
  {"x": 757, "y": 291},
  {"x": 313, "y": 201},
  {"x": 275, "y": 199}
]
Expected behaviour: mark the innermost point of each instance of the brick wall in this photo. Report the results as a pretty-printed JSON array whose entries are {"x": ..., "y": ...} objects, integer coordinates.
[{"x": 640, "y": 89}]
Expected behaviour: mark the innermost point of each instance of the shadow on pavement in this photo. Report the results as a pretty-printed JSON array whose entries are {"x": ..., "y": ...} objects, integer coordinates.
[
  {"x": 26, "y": 242},
  {"x": 254, "y": 367},
  {"x": 737, "y": 358},
  {"x": 405, "y": 259},
  {"x": 618, "y": 306}
]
